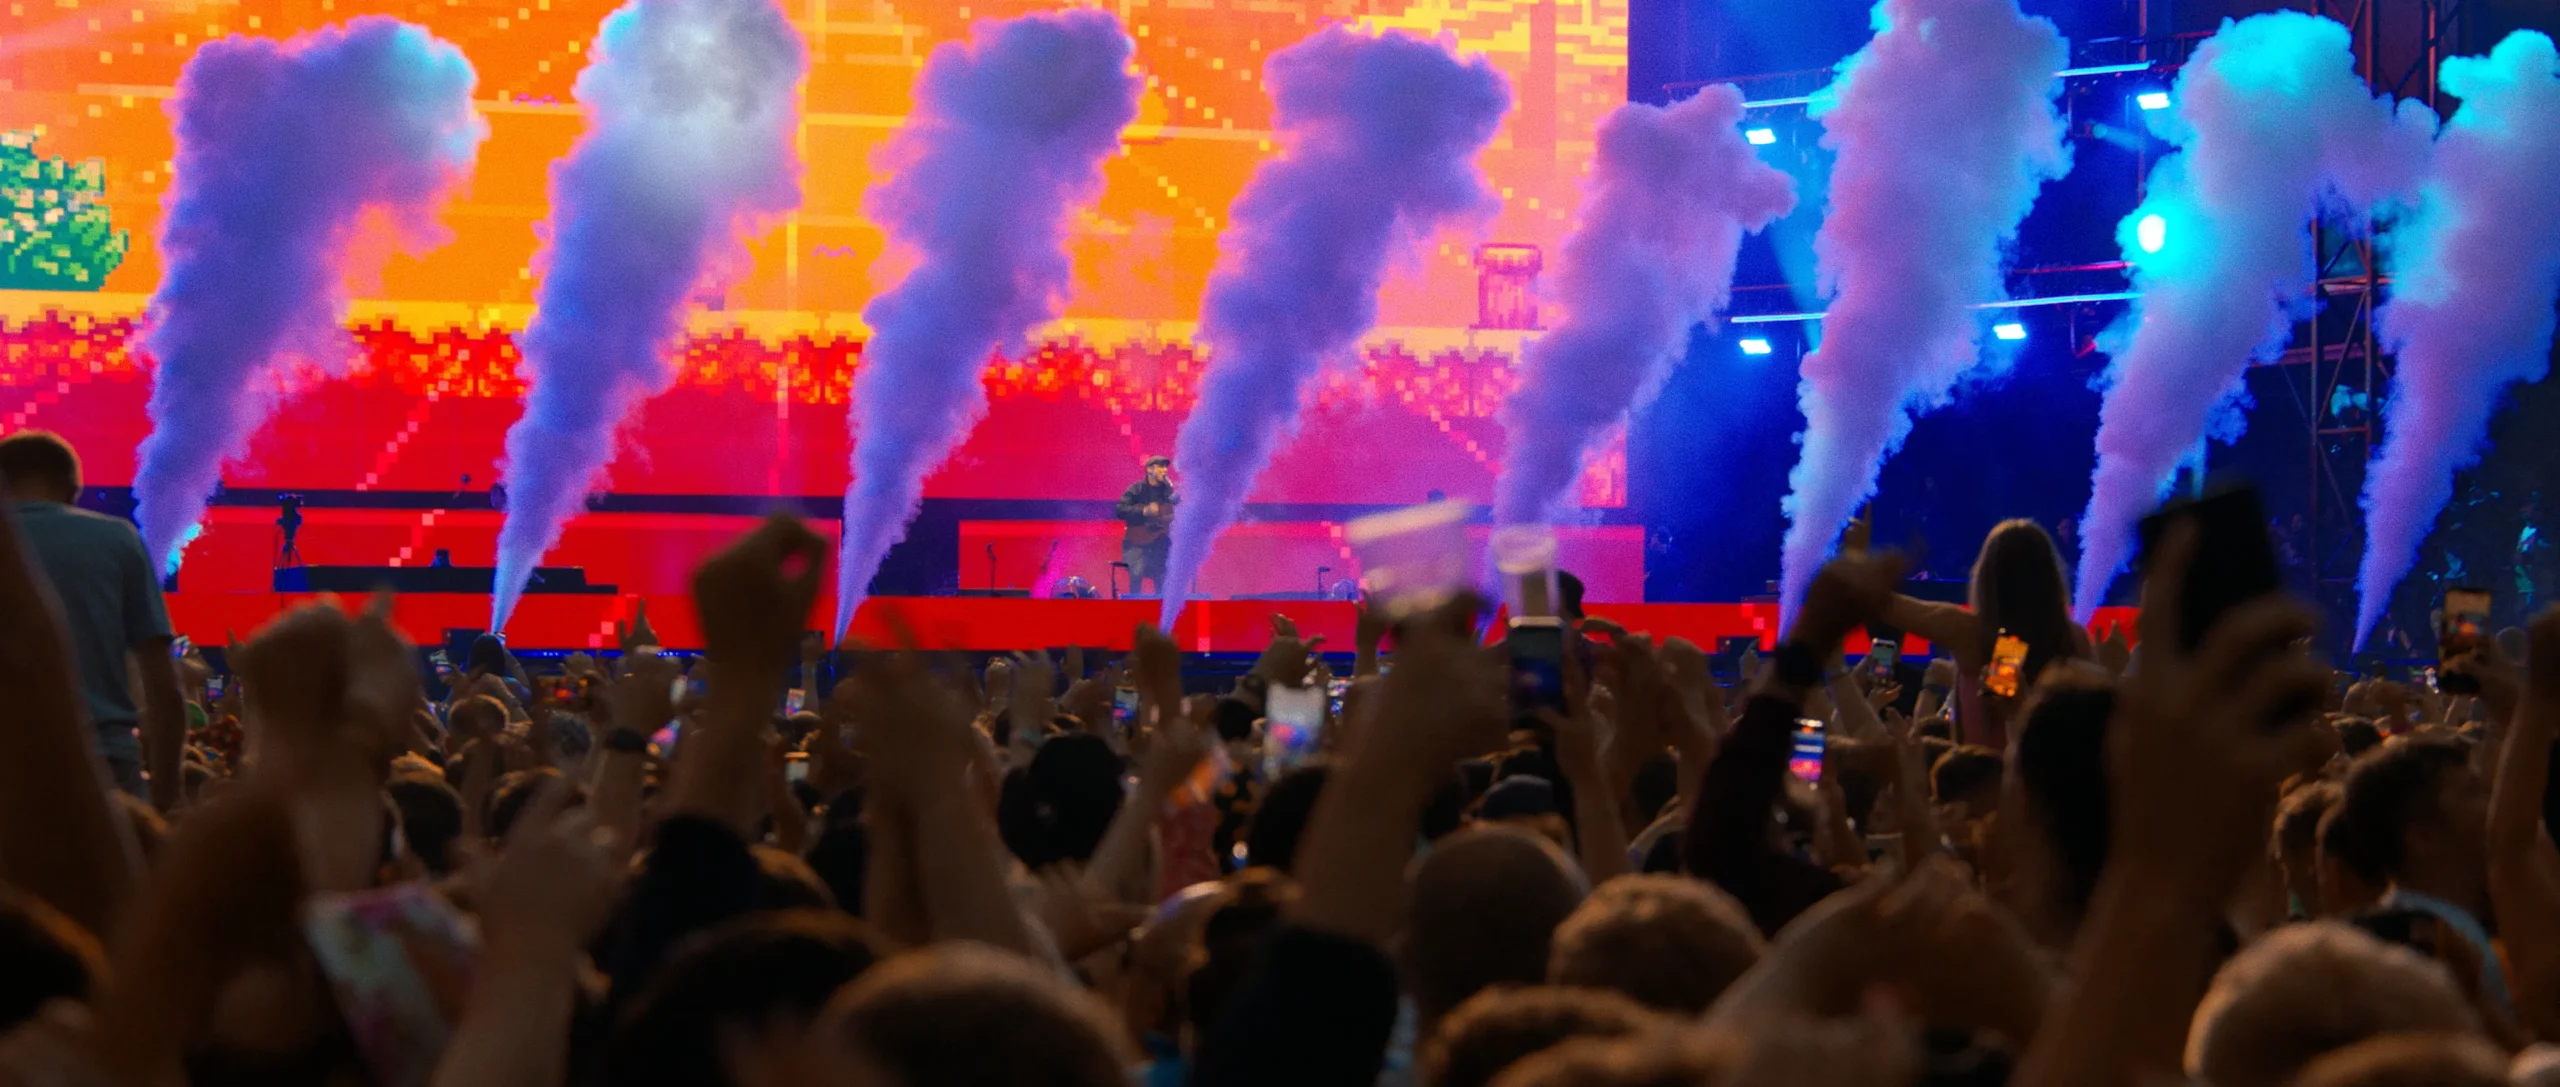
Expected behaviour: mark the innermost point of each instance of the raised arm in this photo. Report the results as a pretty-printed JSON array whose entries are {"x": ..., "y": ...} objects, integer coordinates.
[
  {"x": 540, "y": 901},
  {"x": 1951, "y": 629},
  {"x": 1177, "y": 748},
  {"x": 2196, "y": 751},
  {"x": 2524, "y": 868},
  {"x": 1320, "y": 1004},
  {"x": 1601, "y": 833},
  {"x": 920, "y": 749},
  {"x": 1729, "y": 828},
  {"x": 753, "y": 607}
]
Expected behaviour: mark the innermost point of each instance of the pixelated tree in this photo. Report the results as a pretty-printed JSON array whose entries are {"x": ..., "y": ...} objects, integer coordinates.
[{"x": 55, "y": 236}]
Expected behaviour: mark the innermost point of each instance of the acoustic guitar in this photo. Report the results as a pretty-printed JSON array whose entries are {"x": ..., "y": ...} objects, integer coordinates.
[{"x": 1151, "y": 527}]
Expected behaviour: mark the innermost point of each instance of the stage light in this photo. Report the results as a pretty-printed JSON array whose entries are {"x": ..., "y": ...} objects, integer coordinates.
[
  {"x": 2151, "y": 233},
  {"x": 1755, "y": 346},
  {"x": 2152, "y": 100},
  {"x": 1760, "y": 137},
  {"x": 2010, "y": 331}
]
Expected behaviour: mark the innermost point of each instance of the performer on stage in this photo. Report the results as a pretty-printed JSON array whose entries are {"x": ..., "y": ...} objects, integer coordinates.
[{"x": 1147, "y": 509}]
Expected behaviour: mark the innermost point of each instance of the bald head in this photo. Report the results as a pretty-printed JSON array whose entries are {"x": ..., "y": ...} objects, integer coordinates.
[{"x": 1484, "y": 910}]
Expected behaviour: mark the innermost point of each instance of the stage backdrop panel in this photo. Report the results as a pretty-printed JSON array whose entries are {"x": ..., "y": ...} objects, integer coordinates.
[{"x": 759, "y": 404}]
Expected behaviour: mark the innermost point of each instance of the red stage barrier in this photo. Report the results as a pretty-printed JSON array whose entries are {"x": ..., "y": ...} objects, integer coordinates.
[{"x": 961, "y": 623}]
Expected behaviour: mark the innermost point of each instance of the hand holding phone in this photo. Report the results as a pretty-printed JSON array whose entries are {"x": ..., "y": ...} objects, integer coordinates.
[
  {"x": 1804, "y": 760},
  {"x": 1294, "y": 722},
  {"x": 1537, "y": 664},
  {"x": 2007, "y": 671},
  {"x": 2462, "y": 625},
  {"x": 1883, "y": 656}
]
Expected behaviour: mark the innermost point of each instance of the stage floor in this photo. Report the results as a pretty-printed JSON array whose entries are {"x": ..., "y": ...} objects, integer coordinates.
[{"x": 956, "y": 623}]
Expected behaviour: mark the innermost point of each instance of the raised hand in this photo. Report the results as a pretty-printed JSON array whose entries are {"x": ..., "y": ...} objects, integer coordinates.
[
  {"x": 1446, "y": 700},
  {"x": 382, "y": 675},
  {"x": 1368, "y": 636},
  {"x": 1284, "y": 661},
  {"x": 2115, "y": 654},
  {"x": 2195, "y": 753},
  {"x": 632, "y": 638},
  {"x": 2202, "y": 741},
  {"x": 296, "y": 669},
  {"x": 913, "y": 732},
  {"x": 642, "y": 697},
  {"x": 754, "y": 599},
  {"x": 553, "y": 885},
  {"x": 1848, "y": 592},
  {"x": 754, "y": 596}
]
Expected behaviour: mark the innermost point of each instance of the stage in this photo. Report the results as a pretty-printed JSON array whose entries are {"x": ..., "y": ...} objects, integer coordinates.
[{"x": 969, "y": 624}]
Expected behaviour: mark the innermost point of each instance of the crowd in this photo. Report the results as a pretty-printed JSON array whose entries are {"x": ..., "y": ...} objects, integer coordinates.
[{"x": 2165, "y": 860}]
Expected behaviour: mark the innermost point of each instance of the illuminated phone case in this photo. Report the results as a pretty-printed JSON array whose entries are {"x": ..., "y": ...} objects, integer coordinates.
[{"x": 400, "y": 1010}]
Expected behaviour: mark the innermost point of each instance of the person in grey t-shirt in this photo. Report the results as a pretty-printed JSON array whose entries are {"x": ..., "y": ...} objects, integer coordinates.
[{"x": 111, "y": 598}]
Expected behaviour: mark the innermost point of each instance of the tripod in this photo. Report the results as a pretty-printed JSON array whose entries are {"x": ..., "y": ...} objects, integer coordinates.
[{"x": 288, "y": 526}]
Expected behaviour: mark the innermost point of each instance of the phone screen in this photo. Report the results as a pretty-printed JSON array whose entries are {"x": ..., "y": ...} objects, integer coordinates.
[
  {"x": 179, "y": 646},
  {"x": 213, "y": 686},
  {"x": 1805, "y": 759},
  {"x": 2234, "y": 564},
  {"x": 795, "y": 767},
  {"x": 795, "y": 700},
  {"x": 2008, "y": 665},
  {"x": 2462, "y": 625},
  {"x": 1537, "y": 664},
  {"x": 1294, "y": 721},
  {"x": 1882, "y": 657},
  {"x": 1124, "y": 708}
]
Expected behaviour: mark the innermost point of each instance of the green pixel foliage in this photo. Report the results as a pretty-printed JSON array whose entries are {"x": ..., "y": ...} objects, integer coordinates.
[{"x": 55, "y": 235}]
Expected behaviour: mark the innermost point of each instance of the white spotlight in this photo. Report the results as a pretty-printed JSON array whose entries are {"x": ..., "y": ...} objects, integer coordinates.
[
  {"x": 1755, "y": 346},
  {"x": 2011, "y": 331},
  {"x": 1760, "y": 137},
  {"x": 2151, "y": 233},
  {"x": 2152, "y": 100}
]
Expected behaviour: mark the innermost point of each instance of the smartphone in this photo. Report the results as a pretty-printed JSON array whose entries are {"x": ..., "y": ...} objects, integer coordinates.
[
  {"x": 378, "y": 948},
  {"x": 213, "y": 687},
  {"x": 1295, "y": 722},
  {"x": 1804, "y": 760},
  {"x": 1124, "y": 709},
  {"x": 2008, "y": 665},
  {"x": 795, "y": 767},
  {"x": 1537, "y": 664},
  {"x": 179, "y": 647},
  {"x": 1883, "y": 655},
  {"x": 795, "y": 700},
  {"x": 2462, "y": 626},
  {"x": 2234, "y": 562},
  {"x": 441, "y": 659}
]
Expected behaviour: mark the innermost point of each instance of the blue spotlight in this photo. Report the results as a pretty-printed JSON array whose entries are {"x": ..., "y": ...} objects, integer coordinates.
[
  {"x": 2010, "y": 331},
  {"x": 1755, "y": 346},
  {"x": 2152, "y": 233},
  {"x": 1760, "y": 137},
  {"x": 2152, "y": 100}
]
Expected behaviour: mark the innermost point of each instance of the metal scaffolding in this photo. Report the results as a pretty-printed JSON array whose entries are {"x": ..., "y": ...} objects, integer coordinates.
[{"x": 2343, "y": 369}]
